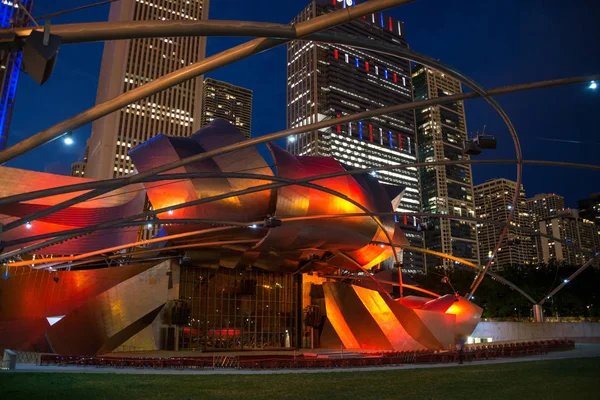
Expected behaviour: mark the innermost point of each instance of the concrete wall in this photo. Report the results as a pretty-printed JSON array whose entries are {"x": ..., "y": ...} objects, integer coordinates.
[{"x": 506, "y": 331}]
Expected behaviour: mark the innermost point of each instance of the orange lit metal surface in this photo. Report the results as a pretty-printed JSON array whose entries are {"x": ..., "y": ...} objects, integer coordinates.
[
  {"x": 337, "y": 320},
  {"x": 361, "y": 318},
  {"x": 404, "y": 327},
  {"x": 120, "y": 203},
  {"x": 386, "y": 320}
]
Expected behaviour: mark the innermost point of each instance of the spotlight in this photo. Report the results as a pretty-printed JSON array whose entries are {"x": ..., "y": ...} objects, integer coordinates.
[
  {"x": 373, "y": 173},
  {"x": 68, "y": 140},
  {"x": 39, "y": 54},
  {"x": 566, "y": 281},
  {"x": 170, "y": 212},
  {"x": 5, "y": 275},
  {"x": 253, "y": 226},
  {"x": 291, "y": 139},
  {"x": 593, "y": 85},
  {"x": 28, "y": 225},
  {"x": 149, "y": 226}
]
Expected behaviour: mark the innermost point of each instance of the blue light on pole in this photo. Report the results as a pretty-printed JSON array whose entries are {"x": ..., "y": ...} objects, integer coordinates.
[{"x": 593, "y": 85}]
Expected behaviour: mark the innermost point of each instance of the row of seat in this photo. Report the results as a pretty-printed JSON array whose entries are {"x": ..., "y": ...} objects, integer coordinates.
[{"x": 471, "y": 353}]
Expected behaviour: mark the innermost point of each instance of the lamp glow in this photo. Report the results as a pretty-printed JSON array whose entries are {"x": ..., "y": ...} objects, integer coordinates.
[
  {"x": 593, "y": 85},
  {"x": 68, "y": 140}
]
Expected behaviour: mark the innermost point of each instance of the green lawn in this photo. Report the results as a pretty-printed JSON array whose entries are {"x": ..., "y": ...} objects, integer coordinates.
[{"x": 559, "y": 379}]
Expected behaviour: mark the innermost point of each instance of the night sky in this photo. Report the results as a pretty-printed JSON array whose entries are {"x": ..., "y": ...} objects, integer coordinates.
[{"x": 496, "y": 42}]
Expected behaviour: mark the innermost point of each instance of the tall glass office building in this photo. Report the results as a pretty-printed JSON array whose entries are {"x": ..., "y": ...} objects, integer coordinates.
[{"x": 328, "y": 81}]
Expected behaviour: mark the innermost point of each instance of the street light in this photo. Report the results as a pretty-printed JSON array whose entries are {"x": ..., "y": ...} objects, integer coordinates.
[
  {"x": 68, "y": 140},
  {"x": 593, "y": 85}
]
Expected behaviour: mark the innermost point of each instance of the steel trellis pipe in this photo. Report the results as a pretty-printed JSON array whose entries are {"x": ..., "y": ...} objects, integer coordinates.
[
  {"x": 283, "y": 182},
  {"x": 257, "y": 189},
  {"x": 137, "y": 222},
  {"x": 226, "y": 57},
  {"x": 396, "y": 50},
  {"x": 570, "y": 278},
  {"x": 80, "y": 187},
  {"x": 106, "y": 185},
  {"x": 237, "y": 224},
  {"x": 102, "y": 31},
  {"x": 468, "y": 264}
]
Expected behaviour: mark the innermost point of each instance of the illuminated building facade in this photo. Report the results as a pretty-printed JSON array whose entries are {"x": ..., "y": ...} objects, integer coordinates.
[
  {"x": 590, "y": 208},
  {"x": 10, "y": 65},
  {"x": 78, "y": 169},
  {"x": 540, "y": 207},
  {"x": 229, "y": 102},
  {"x": 127, "y": 64},
  {"x": 441, "y": 132},
  {"x": 544, "y": 205},
  {"x": 493, "y": 200},
  {"x": 568, "y": 226},
  {"x": 325, "y": 82}
]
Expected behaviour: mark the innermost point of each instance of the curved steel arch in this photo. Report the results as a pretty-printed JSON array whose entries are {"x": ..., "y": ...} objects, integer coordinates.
[
  {"x": 87, "y": 230},
  {"x": 97, "y": 184},
  {"x": 429, "y": 62},
  {"x": 468, "y": 264},
  {"x": 478, "y": 89},
  {"x": 285, "y": 181},
  {"x": 236, "y": 224},
  {"x": 108, "y": 186},
  {"x": 237, "y": 193}
]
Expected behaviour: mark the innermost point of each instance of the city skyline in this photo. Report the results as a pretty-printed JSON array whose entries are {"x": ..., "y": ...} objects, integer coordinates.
[{"x": 269, "y": 116}]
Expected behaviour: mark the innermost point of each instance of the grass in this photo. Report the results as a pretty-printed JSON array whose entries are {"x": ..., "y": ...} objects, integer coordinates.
[{"x": 557, "y": 379}]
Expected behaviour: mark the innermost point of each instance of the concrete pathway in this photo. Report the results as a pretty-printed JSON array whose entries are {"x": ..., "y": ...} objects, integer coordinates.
[{"x": 582, "y": 350}]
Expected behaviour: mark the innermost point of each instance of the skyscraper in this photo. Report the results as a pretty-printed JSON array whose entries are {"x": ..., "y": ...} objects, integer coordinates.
[
  {"x": 127, "y": 64},
  {"x": 568, "y": 226},
  {"x": 227, "y": 101},
  {"x": 590, "y": 208},
  {"x": 493, "y": 200},
  {"x": 544, "y": 205},
  {"x": 540, "y": 207},
  {"x": 326, "y": 82},
  {"x": 441, "y": 131},
  {"x": 10, "y": 65}
]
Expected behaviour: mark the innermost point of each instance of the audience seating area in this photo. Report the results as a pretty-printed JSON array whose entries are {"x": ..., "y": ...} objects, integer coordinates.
[{"x": 471, "y": 353}]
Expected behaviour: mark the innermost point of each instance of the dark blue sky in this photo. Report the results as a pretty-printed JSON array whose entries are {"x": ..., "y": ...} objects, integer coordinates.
[{"x": 495, "y": 42}]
